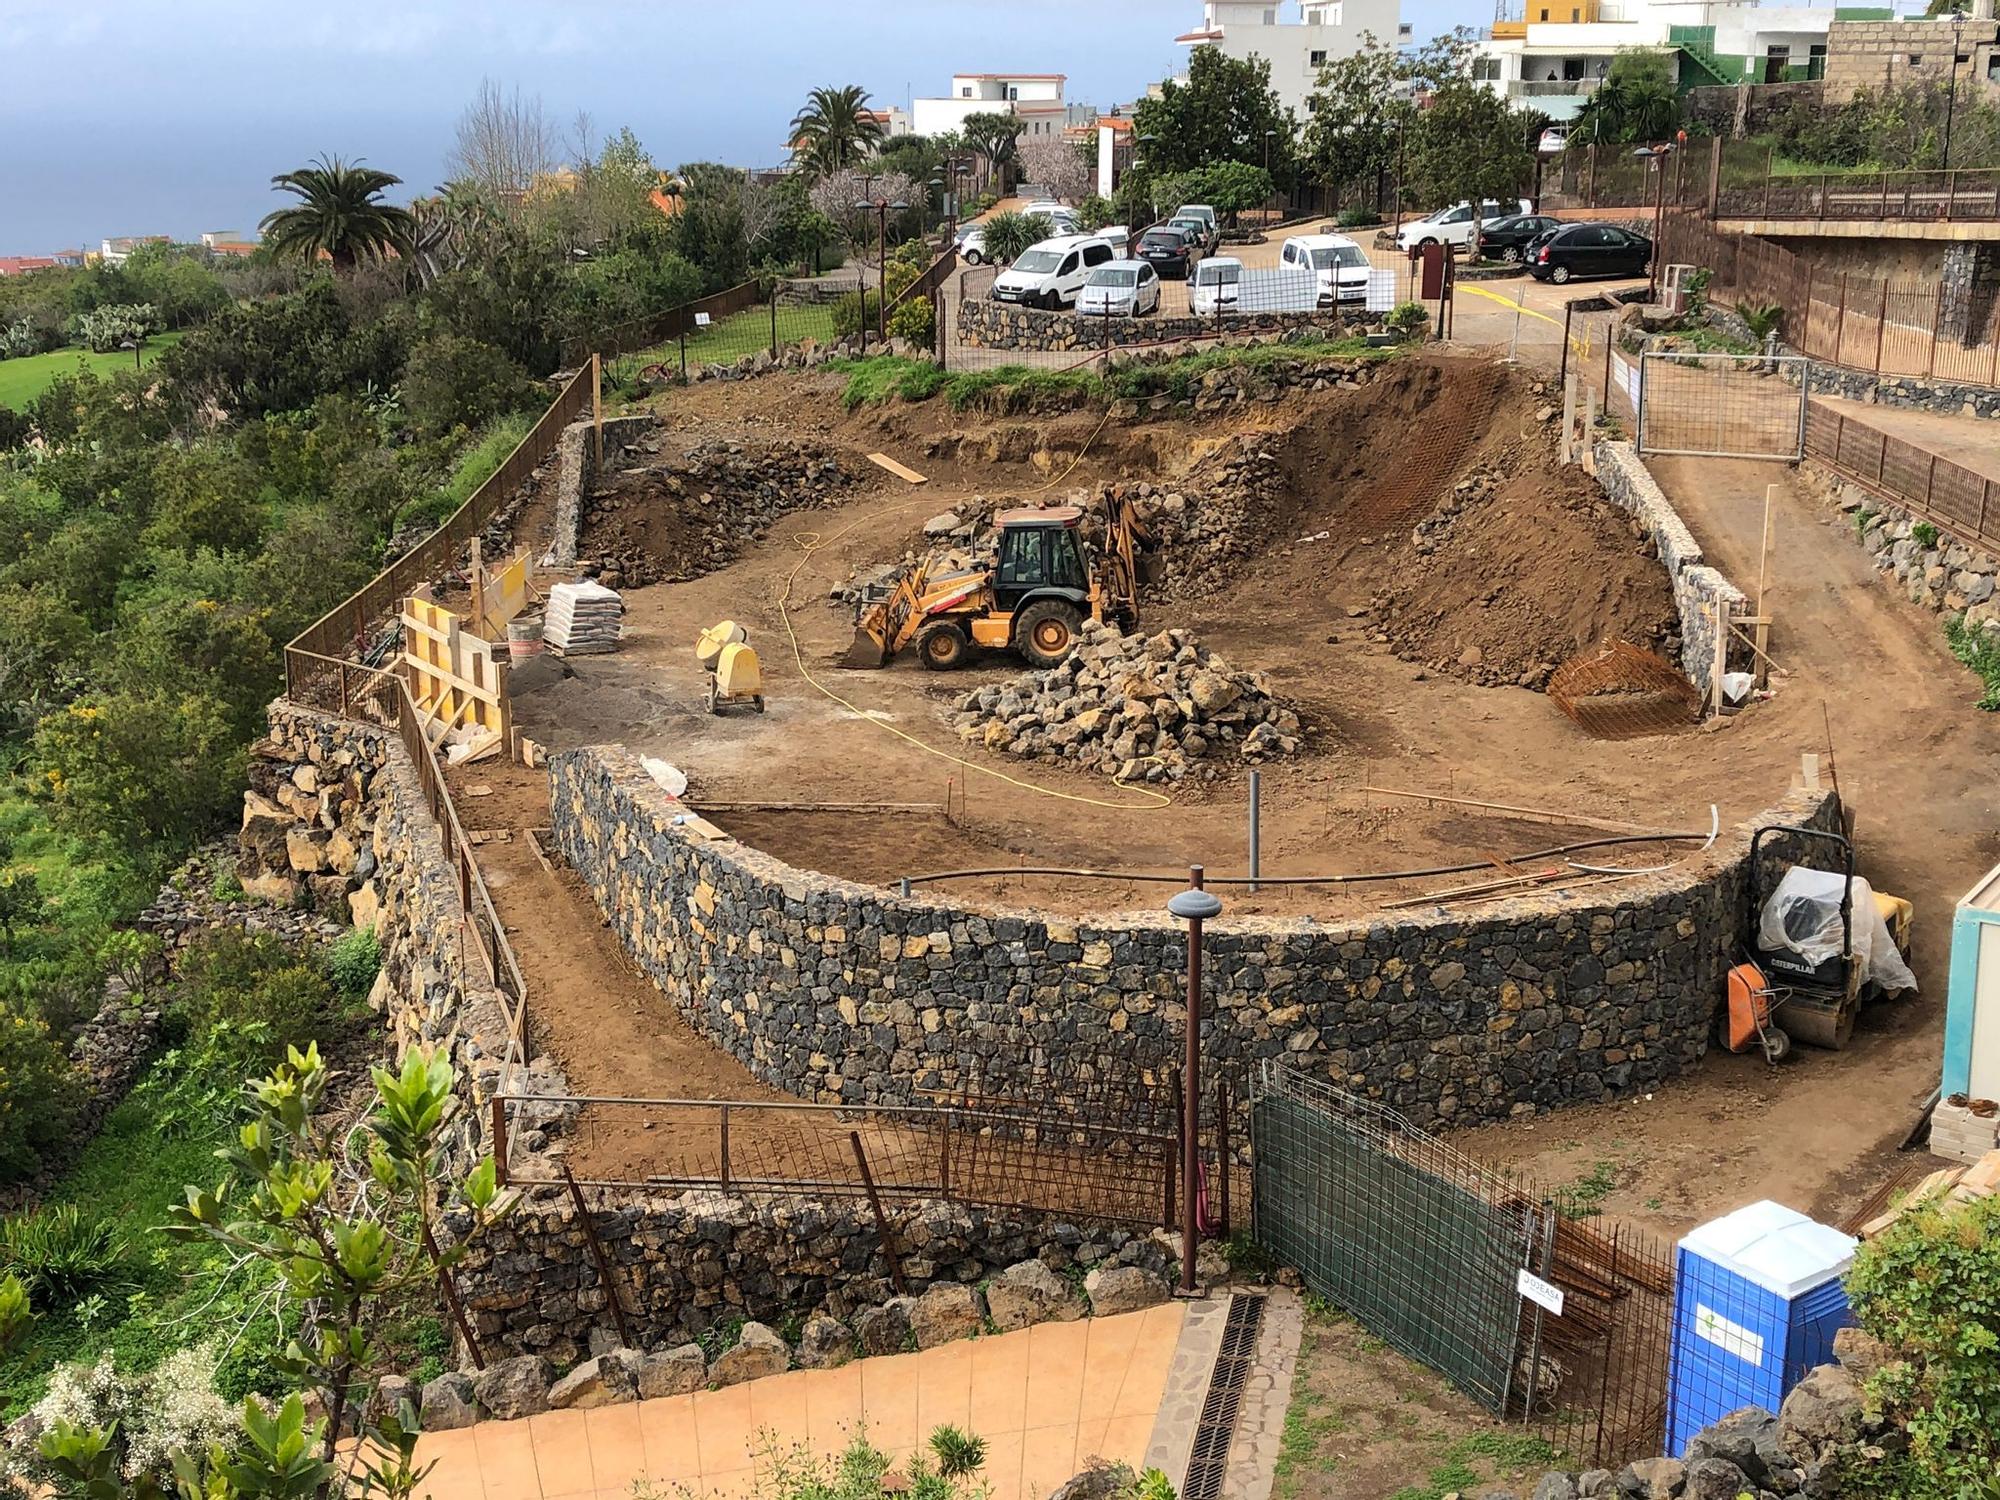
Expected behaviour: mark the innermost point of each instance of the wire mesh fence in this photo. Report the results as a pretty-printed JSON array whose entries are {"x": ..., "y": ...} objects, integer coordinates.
[
  {"x": 1721, "y": 405},
  {"x": 1427, "y": 1248},
  {"x": 768, "y": 318}
]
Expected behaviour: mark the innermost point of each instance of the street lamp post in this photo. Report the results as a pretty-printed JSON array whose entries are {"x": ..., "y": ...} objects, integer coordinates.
[
  {"x": 1269, "y": 136},
  {"x": 1193, "y": 906},
  {"x": 1951, "y": 95},
  {"x": 881, "y": 207}
]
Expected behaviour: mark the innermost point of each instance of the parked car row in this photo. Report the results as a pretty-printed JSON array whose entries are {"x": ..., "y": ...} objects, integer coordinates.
[{"x": 1551, "y": 249}]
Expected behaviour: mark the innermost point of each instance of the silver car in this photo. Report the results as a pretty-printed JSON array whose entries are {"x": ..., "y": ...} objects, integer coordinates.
[{"x": 1119, "y": 288}]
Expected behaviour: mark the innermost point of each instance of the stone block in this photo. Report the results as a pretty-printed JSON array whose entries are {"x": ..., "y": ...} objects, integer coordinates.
[
  {"x": 1123, "y": 1289},
  {"x": 1029, "y": 1293},
  {"x": 884, "y": 1329},
  {"x": 824, "y": 1343},
  {"x": 517, "y": 1387},
  {"x": 447, "y": 1403},
  {"x": 605, "y": 1380},
  {"x": 672, "y": 1372},
  {"x": 946, "y": 1312},
  {"x": 758, "y": 1352},
  {"x": 1821, "y": 1410}
]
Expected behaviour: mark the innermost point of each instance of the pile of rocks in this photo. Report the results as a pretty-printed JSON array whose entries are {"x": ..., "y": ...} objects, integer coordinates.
[
  {"x": 805, "y": 355},
  {"x": 681, "y": 519},
  {"x": 1137, "y": 707},
  {"x": 306, "y": 832},
  {"x": 1812, "y": 1448},
  {"x": 1022, "y": 1295},
  {"x": 1221, "y": 514}
]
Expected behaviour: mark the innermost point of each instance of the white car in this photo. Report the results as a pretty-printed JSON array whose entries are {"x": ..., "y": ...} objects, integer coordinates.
[
  {"x": 1199, "y": 211},
  {"x": 1554, "y": 140},
  {"x": 1118, "y": 236},
  {"x": 1215, "y": 285},
  {"x": 1339, "y": 266},
  {"x": 1127, "y": 288},
  {"x": 972, "y": 245},
  {"x": 1453, "y": 226},
  {"x": 1050, "y": 273}
]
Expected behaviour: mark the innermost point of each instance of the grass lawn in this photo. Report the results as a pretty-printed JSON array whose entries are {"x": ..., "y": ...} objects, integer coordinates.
[
  {"x": 739, "y": 334},
  {"x": 24, "y": 379}
]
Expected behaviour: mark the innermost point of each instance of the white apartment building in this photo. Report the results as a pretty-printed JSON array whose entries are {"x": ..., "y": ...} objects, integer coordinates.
[
  {"x": 1551, "y": 54},
  {"x": 1036, "y": 98},
  {"x": 1298, "y": 48}
]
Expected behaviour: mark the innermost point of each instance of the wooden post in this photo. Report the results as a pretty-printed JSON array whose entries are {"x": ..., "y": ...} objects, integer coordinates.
[
  {"x": 1840, "y": 320},
  {"x": 498, "y": 1127},
  {"x": 1937, "y": 316},
  {"x": 722, "y": 1131},
  {"x": 1569, "y": 420},
  {"x": 597, "y": 412},
  {"x": 1762, "y": 665},
  {"x": 1714, "y": 177},
  {"x": 1721, "y": 663},
  {"x": 1881, "y": 325},
  {"x": 1589, "y": 431}
]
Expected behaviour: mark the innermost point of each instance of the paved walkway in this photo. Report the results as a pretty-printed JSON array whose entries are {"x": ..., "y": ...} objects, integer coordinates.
[
  {"x": 1971, "y": 442},
  {"x": 1045, "y": 1399}
]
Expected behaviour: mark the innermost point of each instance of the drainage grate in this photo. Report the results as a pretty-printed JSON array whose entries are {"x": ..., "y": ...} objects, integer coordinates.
[{"x": 1209, "y": 1458}]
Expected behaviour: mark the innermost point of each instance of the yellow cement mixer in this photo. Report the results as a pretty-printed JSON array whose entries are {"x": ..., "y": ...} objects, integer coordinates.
[{"x": 733, "y": 673}]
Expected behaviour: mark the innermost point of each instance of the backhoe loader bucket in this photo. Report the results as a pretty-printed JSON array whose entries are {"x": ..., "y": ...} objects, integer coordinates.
[{"x": 866, "y": 653}]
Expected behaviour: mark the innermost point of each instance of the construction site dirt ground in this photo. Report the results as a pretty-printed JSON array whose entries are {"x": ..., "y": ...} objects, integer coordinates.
[{"x": 1913, "y": 756}]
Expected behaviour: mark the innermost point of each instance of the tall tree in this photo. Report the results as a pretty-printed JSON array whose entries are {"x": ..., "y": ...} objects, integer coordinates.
[
  {"x": 1468, "y": 145},
  {"x": 835, "y": 129},
  {"x": 503, "y": 141},
  {"x": 1063, "y": 170},
  {"x": 340, "y": 211},
  {"x": 1226, "y": 111},
  {"x": 996, "y": 137},
  {"x": 1358, "y": 112}
]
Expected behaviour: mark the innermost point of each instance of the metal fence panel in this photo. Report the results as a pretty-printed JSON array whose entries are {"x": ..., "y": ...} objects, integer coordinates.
[
  {"x": 1385, "y": 1226},
  {"x": 1722, "y": 405}
]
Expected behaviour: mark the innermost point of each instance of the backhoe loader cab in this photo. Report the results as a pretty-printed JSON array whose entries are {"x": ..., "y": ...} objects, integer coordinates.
[{"x": 1035, "y": 595}]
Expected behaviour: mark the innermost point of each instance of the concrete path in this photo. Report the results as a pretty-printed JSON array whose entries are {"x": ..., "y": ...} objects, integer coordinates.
[
  {"x": 1046, "y": 1400},
  {"x": 1971, "y": 442}
]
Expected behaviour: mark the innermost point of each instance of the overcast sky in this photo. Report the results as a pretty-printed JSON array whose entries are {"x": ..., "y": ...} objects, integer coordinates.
[{"x": 170, "y": 116}]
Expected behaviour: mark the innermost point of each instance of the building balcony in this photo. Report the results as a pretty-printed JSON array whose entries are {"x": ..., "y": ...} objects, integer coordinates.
[{"x": 1552, "y": 88}]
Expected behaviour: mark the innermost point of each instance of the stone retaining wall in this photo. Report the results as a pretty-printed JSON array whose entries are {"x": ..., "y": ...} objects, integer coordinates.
[
  {"x": 985, "y": 324},
  {"x": 575, "y": 474},
  {"x": 838, "y": 991},
  {"x": 1631, "y": 487},
  {"x": 1940, "y": 574}
]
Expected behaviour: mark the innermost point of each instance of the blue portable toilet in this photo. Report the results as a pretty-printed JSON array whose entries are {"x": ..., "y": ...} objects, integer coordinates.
[{"x": 1757, "y": 1301}]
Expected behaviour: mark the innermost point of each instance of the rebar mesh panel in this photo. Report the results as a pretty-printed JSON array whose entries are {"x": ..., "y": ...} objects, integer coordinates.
[
  {"x": 1392, "y": 1226},
  {"x": 1621, "y": 692}
]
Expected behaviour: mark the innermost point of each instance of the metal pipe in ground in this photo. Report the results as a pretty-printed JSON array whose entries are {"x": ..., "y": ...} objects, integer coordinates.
[
  {"x": 1194, "y": 906},
  {"x": 1256, "y": 804}
]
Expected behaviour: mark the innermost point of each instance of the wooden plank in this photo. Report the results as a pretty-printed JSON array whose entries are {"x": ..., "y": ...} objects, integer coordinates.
[{"x": 884, "y": 461}]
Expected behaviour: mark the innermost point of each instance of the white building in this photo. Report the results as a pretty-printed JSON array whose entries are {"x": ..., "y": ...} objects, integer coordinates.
[
  {"x": 1035, "y": 98},
  {"x": 1551, "y": 54},
  {"x": 1295, "y": 49}
]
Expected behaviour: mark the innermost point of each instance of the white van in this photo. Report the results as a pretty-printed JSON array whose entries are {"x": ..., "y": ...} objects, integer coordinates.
[
  {"x": 1215, "y": 285},
  {"x": 1198, "y": 211},
  {"x": 1453, "y": 226},
  {"x": 1339, "y": 266},
  {"x": 1050, "y": 273}
]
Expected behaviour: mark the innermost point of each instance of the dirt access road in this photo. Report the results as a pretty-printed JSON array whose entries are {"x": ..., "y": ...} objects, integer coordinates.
[{"x": 1915, "y": 760}]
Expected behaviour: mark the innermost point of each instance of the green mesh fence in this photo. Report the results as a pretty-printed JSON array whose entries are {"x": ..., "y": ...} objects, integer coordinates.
[{"x": 1420, "y": 1245}]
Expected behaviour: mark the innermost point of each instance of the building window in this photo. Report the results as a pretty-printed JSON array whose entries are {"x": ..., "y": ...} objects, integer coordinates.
[
  {"x": 1312, "y": 104},
  {"x": 1993, "y": 67},
  {"x": 1317, "y": 57},
  {"x": 1916, "y": 59},
  {"x": 965, "y": 93},
  {"x": 1270, "y": 16},
  {"x": 1012, "y": 92}
]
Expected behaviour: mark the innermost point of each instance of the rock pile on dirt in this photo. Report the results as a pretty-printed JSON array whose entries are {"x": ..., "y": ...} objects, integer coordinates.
[
  {"x": 1137, "y": 707},
  {"x": 678, "y": 520}
]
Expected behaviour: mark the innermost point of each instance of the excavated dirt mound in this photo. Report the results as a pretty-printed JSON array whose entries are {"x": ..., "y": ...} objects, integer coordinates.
[
  {"x": 679, "y": 519},
  {"x": 1520, "y": 568}
]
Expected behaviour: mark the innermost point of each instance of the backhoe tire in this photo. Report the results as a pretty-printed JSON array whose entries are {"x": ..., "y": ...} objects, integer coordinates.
[
  {"x": 943, "y": 646},
  {"x": 1046, "y": 631}
]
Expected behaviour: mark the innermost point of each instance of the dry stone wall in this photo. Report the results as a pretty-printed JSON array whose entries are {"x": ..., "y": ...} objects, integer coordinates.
[
  {"x": 844, "y": 992},
  {"x": 1697, "y": 587},
  {"x": 1933, "y": 569},
  {"x": 1001, "y": 325}
]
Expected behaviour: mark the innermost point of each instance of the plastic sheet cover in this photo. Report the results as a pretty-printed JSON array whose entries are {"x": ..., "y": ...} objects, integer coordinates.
[{"x": 1803, "y": 915}]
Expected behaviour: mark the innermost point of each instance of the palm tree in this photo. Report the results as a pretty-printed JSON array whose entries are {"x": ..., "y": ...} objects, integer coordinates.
[
  {"x": 340, "y": 213},
  {"x": 1652, "y": 109},
  {"x": 834, "y": 130}
]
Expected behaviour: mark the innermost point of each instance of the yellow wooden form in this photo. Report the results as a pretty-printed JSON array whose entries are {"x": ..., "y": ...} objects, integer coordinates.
[
  {"x": 457, "y": 681},
  {"x": 502, "y": 593}
]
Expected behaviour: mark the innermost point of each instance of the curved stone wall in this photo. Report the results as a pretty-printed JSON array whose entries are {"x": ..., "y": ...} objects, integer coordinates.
[{"x": 838, "y": 991}]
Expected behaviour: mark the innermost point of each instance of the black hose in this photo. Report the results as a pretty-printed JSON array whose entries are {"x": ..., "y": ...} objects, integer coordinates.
[{"x": 1263, "y": 880}]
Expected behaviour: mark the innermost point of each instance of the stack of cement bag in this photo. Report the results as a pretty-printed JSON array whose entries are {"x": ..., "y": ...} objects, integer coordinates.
[{"x": 582, "y": 618}]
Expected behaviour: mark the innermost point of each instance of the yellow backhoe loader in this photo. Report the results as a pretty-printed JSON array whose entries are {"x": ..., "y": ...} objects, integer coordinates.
[{"x": 1046, "y": 580}]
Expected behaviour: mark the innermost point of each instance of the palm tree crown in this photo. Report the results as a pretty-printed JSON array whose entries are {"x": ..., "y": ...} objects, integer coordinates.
[
  {"x": 834, "y": 129},
  {"x": 340, "y": 212}
]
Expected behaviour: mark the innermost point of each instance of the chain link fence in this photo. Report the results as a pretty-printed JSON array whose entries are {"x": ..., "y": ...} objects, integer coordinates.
[
  {"x": 1722, "y": 405},
  {"x": 755, "y": 318}
]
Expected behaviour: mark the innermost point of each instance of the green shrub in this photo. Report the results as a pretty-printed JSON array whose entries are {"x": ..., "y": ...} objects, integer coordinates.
[
  {"x": 1924, "y": 535},
  {"x": 452, "y": 381},
  {"x": 1762, "y": 318},
  {"x": 38, "y": 1091},
  {"x": 353, "y": 961},
  {"x": 1978, "y": 649},
  {"x": 59, "y": 1255},
  {"x": 1356, "y": 216},
  {"x": 256, "y": 989},
  {"x": 914, "y": 321},
  {"x": 226, "y": 887},
  {"x": 1409, "y": 320},
  {"x": 959, "y": 1454},
  {"x": 16, "y": 1315},
  {"x": 1929, "y": 1287}
]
